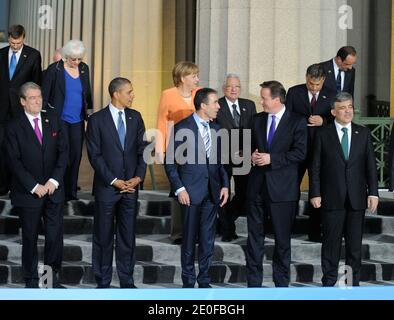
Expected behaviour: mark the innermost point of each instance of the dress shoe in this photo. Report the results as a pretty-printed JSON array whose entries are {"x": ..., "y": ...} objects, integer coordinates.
[
  {"x": 71, "y": 199},
  {"x": 32, "y": 285},
  {"x": 58, "y": 286},
  {"x": 228, "y": 238},
  {"x": 204, "y": 286},
  {"x": 188, "y": 286},
  {"x": 102, "y": 286},
  {"x": 177, "y": 241},
  {"x": 315, "y": 238},
  {"x": 128, "y": 286}
]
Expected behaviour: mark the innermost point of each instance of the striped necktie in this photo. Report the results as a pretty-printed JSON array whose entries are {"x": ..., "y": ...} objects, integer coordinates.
[{"x": 206, "y": 138}]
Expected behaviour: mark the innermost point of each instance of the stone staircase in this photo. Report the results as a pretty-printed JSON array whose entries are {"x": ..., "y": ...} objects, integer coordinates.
[{"x": 158, "y": 261}]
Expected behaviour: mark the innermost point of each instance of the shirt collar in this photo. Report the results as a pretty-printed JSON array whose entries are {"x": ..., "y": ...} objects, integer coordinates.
[
  {"x": 230, "y": 103},
  {"x": 339, "y": 126},
  {"x": 10, "y": 52},
  {"x": 31, "y": 117},
  {"x": 114, "y": 109},
  {"x": 198, "y": 119}
]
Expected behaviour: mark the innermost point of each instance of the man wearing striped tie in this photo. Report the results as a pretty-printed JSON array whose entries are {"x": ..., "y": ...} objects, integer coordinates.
[
  {"x": 200, "y": 182},
  {"x": 36, "y": 152},
  {"x": 343, "y": 182}
]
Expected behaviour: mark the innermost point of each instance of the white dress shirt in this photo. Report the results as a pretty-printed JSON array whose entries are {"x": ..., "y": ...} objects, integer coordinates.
[
  {"x": 18, "y": 55},
  {"x": 278, "y": 117},
  {"x": 340, "y": 132},
  {"x": 310, "y": 95},
  {"x": 230, "y": 106}
]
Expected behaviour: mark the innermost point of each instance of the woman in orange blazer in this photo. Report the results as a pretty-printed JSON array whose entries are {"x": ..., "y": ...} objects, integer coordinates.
[{"x": 176, "y": 104}]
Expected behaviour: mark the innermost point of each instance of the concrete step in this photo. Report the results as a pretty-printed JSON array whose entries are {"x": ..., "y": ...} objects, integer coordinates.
[{"x": 154, "y": 273}]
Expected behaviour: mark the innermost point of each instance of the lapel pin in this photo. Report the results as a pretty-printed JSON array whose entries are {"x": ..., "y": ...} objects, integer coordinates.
[
  {"x": 130, "y": 118},
  {"x": 46, "y": 120},
  {"x": 82, "y": 71},
  {"x": 243, "y": 109},
  {"x": 24, "y": 56},
  {"x": 356, "y": 132},
  {"x": 329, "y": 71},
  {"x": 324, "y": 97}
]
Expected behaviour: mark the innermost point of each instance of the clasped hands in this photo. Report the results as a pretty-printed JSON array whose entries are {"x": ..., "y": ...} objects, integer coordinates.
[
  {"x": 128, "y": 186},
  {"x": 261, "y": 159},
  {"x": 315, "y": 121},
  {"x": 42, "y": 190}
]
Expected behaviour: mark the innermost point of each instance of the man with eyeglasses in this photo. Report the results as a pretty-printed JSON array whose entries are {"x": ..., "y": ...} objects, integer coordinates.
[{"x": 235, "y": 115}]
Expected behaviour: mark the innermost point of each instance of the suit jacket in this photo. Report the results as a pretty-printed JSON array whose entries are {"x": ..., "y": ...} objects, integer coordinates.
[
  {"x": 391, "y": 161},
  {"x": 195, "y": 174},
  {"x": 106, "y": 155},
  {"x": 54, "y": 87},
  {"x": 297, "y": 101},
  {"x": 172, "y": 108},
  {"x": 27, "y": 69},
  {"x": 332, "y": 177},
  {"x": 287, "y": 151},
  {"x": 225, "y": 119},
  {"x": 31, "y": 163},
  {"x": 330, "y": 82}
]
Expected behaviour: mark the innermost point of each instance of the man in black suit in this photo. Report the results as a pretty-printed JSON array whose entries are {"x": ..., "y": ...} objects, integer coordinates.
[
  {"x": 37, "y": 158},
  {"x": 115, "y": 148},
  {"x": 340, "y": 74},
  {"x": 279, "y": 141},
  {"x": 235, "y": 114},
  {"x": 391, "y": 161},
  {"x": 313, "y": 102},
  {"x": 19, "y": 64},
  {"x": 343, "y": 182},
  {"x": 199, "y": 180}
]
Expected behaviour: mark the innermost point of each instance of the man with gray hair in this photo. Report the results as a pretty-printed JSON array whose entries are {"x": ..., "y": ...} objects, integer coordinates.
[
  {"x": 343, "y": 180},
  {"x": 37, "y": 157},
  {"x": 235, "y": 115},
  {"x": 312, "y": 101}
]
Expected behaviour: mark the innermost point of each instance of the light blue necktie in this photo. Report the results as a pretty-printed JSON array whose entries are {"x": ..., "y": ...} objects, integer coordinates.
[
  {"x": 121, "y": 129},
  {"x": 345, "y": 144},
  {"x": 206, "y": 138},
  {"x": 12, "y": 65}
]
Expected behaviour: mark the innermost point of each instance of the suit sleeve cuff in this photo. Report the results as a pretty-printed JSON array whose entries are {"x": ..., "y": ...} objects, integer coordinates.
[
  {"x": 179, "y": 191},
  {"x": 113, "y": 181},
  {"x": 34, "y": 189},
  {"x": 373, "y": 197},
  {"x": 54, "y": 182}
]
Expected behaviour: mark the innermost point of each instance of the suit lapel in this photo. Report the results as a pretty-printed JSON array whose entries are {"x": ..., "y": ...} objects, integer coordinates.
[
  {"x": 280, "y": 129},
  {"x": 305, "y": 99},
  {"x": 243, "y": 111},
  {"x": 5, "y": 66},
  {"x": 46, "y": 130},
  {"x": 335, "y": 141},
  {"x": 228, "y": 114},
  {"x": 264, "y": 121},
  {"x": 354, "y": 142},
  {"x": 129, "y": 128}
]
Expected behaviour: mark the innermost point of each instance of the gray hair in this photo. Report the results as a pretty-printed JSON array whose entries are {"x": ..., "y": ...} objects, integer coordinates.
[
  {"x": 230, "y": 76},
  {"x": 28, "y": 86},
  {"x": 73, "y": 49},
  {"x": 340, "y": 97}
]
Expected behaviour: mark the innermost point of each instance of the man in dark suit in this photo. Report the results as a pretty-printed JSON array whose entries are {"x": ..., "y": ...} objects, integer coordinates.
[
  {"x": 313, "y": 102},
  {"x": 115, "y": 148},
  {"x": 235, "y": 114},
  {"x": 343, "y": 182},
  {"x": 199, "y": 180},
  {"x": 37, "y": 158},
  {"x": 340, "y": 74},
  {"x": 279, "y": 141},
  {"x": 391, "y": 161},
  {"x": 19, "y": 64}
]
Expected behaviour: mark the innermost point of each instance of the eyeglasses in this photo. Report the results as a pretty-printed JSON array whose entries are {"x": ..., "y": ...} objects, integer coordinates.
[{"x": 75, "y": 59}]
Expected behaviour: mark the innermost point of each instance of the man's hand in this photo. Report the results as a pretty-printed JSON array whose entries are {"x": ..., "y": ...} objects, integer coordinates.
[
  {"x": 183, "y": 198},
  {"x": 120, "y": 185},
  {"x": 373, "y": 204},
  {"x": 315, "y": 121},
  {"x": 51, "y": 188},
  {"x": 261, "y": 159},
  {"x": 316, "y": 202},
  {"x": 131, "y": 184},
  {"x": 223, "y": 196},
  {"x": 41, "y": 191}
]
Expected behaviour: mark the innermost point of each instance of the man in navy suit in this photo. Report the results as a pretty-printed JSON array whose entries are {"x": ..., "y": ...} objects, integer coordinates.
[
  {"x": 279, "y": 141},
  {"x": 200, "y": 182},
  {"x": 19, "y": 64},
  {"x": 37, "y": 158},
  {"x": 235, "y": 114},
  {"x": 343, "y": 183},
  {"x": 115, "y": 147},
  {"x": 313, "y": 102},
  {"x": 340, "y": 74}
]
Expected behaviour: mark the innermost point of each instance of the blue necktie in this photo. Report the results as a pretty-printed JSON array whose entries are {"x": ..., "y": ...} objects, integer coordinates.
[
  {"x": 121, "y": 129},
  {"x": 272, "y": 131},
  {"x": 206, "y": 138},
  {"x": 339, "y": 81},
  {"x": 12, "y": 65}
]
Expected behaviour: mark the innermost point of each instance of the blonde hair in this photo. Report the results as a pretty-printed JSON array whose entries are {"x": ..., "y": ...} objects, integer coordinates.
[{"x": 183, "y": 69}]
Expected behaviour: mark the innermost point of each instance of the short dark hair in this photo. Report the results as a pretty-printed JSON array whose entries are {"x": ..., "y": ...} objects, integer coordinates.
[
  {"x": 315, "y": 71},
  {"x": 16, "y": 31},
  {"x": 340, "y": 97},
  {"x": 276, "y": 89},
  {"x": 202, "y": 96},
  {"x": 116, "y": 84},
  {"x": 345, "y": 51},
  {"x": 27, "y": 86}
]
